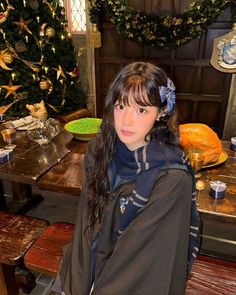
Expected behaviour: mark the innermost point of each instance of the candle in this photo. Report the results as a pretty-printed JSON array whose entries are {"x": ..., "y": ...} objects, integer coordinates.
[
  {"x": 24, "y": 2},
  {"x": 4, "y": 35},
  {"x": 38, "y": 19},
  {"x": 46, "y": 69},
  {"x": 62, "y": 37},
  {"x": 53, "y": 49},
  {"x": 26, "y": 39},
  {"x": 13, "y": 75},
  {"x": 34, "y": 77}
]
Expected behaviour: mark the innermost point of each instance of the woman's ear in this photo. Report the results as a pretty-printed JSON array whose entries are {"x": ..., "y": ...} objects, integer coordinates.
[{"x": 160, "y": 115}]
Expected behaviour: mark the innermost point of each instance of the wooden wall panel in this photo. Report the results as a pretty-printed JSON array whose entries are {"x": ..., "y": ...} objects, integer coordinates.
[{"x": 202, "y": 92}]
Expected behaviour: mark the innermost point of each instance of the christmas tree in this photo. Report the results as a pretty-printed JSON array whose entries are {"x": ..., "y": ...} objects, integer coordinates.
[{"x": 37, "y": 58}]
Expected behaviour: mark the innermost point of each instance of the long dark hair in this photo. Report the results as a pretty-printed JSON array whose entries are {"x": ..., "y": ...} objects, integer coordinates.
[{"x": 142, "y": 81}]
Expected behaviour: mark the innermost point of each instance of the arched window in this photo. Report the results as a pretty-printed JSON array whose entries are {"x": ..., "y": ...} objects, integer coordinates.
[{"x": 76, "y": 15}]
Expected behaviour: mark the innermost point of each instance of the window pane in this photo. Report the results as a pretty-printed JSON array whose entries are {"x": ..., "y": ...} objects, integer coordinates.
[{"x": 76, "y": 15}]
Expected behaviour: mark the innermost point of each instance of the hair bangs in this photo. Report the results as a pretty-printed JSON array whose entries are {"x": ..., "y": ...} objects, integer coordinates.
[{"x": 134, "y": 92}]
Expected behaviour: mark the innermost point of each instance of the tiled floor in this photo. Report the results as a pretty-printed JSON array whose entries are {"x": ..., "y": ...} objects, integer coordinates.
[{"x": 54, "y": 207}]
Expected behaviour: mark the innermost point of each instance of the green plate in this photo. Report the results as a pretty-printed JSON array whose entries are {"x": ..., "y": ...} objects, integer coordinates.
[{"x": 84, "y": 129}]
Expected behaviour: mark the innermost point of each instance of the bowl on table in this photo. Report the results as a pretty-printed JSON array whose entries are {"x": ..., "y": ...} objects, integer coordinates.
[{"x": 84, "y": 129}]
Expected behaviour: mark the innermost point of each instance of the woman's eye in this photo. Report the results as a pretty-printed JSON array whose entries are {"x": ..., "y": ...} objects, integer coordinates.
[
  {"x": 142, "y": 110},
  {"x": 119, "y": 106}
]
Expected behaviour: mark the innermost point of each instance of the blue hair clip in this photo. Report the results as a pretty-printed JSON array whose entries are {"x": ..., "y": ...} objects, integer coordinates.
[{"x": 168, "y": 96}]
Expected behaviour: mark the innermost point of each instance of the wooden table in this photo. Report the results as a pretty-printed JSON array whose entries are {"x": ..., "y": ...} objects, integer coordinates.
[
  {"x": 66, "y": 177},
  {"x": 30, "y": 161},
  {"x": 218, "y": 216}
]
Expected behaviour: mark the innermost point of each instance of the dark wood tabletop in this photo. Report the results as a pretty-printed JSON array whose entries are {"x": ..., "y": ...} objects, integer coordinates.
[
  {"x": 66, "y": 177},
  {"x": 225, "y": 172},
  {"x": 218, "y": 216},
  {"x": 30, "y": 160}
]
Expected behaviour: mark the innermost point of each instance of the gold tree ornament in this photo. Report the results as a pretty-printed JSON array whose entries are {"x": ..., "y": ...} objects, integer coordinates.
[
  {"x": 59, "y": 72},
  {"x": 2, "y": 62},
  {"x": 34, "y": 4},
  {"x": 4, "y": 15},
  {"x": 8, "y": 57},
  {"x": 5, "y": 108},
  {"x": 74, "y": 73},
  {"x": 44, "y": 85},
  {"x": 20, "y": 46},
  {"x": 20, "y": 96},
  {"x": 42, "y": 29},
  {"x": 23, "y": 24},
  {"x": 11, "y": 89},
  {"x": 50, "y": 32}
]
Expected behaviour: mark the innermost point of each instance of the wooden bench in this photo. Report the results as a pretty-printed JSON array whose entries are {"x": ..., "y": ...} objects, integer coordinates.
[
  {"x": 17, "y": 234},
  {"x": 75, "y": 115},
  {"x": 209, "y": 276},
  {"x": 212, "y": 276},
  {"x": 45, "y": 254}
]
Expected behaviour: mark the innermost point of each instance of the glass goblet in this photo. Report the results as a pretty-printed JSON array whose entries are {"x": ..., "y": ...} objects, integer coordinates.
[
  {"x": 196, "y": 161},
  {"x": 9, "y": 136}
]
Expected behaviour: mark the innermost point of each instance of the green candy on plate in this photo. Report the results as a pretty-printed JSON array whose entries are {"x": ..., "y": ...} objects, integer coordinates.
[{"x": 85, "y": 128}]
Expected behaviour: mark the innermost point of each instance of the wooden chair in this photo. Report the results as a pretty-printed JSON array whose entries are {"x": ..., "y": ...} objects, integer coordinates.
[
  {"x": 45, "y": 254},
  {"x": 17, "y": 234},
  {"x": 75, "y": 115}
]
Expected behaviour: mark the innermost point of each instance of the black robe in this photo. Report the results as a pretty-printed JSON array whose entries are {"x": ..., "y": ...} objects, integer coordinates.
[{"x": 150, "y": 257}]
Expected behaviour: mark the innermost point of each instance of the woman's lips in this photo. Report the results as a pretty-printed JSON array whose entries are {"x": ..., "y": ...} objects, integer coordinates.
[{"x": 126, "y": 133}]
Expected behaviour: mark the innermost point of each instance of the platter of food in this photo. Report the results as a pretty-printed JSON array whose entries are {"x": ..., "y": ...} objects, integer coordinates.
[{"x": 84, "y": 129}]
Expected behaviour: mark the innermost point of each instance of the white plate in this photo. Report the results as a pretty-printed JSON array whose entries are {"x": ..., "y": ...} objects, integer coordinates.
[{"x": 30, "y": 126}]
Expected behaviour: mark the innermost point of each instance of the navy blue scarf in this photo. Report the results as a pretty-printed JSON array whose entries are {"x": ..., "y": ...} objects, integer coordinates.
[{"x": 144, "y": 165}]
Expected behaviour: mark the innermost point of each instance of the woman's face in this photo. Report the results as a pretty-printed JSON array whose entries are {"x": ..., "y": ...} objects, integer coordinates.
[{"x": 133, "y": 122}]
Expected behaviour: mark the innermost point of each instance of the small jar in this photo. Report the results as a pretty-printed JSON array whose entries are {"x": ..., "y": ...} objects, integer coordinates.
[
  {"x": 218, "y": 189},
  {"x": 233, "y": 144}
]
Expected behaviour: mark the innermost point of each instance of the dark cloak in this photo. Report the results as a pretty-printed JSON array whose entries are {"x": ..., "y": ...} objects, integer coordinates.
[{"x": 149, "y": 258}]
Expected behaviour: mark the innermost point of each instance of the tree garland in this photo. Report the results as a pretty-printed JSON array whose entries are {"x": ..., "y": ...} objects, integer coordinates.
[{"x": 160, "y": 31}]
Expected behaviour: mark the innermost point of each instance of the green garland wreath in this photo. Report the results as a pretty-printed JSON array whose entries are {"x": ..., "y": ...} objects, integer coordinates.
[{"x": 160, "y": 31}]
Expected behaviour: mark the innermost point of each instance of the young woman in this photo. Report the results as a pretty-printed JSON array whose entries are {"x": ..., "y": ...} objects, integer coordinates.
[{"x": 137, "y": 225}]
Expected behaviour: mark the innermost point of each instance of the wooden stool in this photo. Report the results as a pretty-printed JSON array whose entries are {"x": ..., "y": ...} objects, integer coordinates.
[
  {"x": 212, "y": 276},
  {"x": 46, "y": 253},
  {"x": 17, "y": 234}
]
